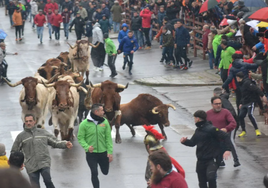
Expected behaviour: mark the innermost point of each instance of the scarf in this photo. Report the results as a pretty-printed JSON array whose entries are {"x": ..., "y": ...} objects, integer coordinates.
[{"x": 96, "y": 118}]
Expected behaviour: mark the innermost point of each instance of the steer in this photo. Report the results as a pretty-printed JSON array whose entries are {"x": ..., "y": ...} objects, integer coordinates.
[
  {"x": 145, "y": 109},
  {"x": 64, "y": 108},
  {"x": 51, "y": 67},
  {"x": 33, "y": 98},
  {"x": 79, "y": 56},
  {"x": 107, "y": 93},
  {"x": 64, "y": 57}
]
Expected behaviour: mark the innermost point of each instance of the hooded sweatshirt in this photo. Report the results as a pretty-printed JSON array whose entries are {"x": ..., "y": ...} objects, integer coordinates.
[
  {"x": 128, "y": 44},
  {"x": 97, "y": 35},
  {"x": 34, "y": 8},
  {"x": 226, "y": 57},
  {"x": 4, "y": 162},
  {"x": 168, "y": 40},
  {"x": 122, "y": 33},
  {"x": 146, "y": 18}
]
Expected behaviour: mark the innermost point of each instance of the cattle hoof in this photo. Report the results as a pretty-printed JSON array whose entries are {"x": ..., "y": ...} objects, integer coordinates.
[
  {"x": 56, "y": 132},
  {"x": 87, "y": 82},
  {"x": 50, "y": 122},
  {"x": 118, "y": 140},
  {"x": 70, "y": 134},
  {"x": 133, "y": 132}
]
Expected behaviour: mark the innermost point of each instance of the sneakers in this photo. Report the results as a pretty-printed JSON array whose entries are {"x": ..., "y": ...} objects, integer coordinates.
[
  {"x": 20, "y": 39},
  {"x": 140, "y": 48},
  {"x": 113, "y": 75},
  {"x": 148, "y": 48},
  {"x": 182, "y": 66},
  {"x": 236, "y": 163},
  {"x": 124, "y": 66},
  {"x": 16, "y": 39},
  {"x": 190, "y": 63},
  {"x": 161, "y": 60},
  {"x": 258, "y": 133},
  {"x": 130, "y": 73},
  {"x": 49, "y": 37},
  {"x": 242, "y": 134},
  {"x": 222, "y": 163},
  {"x": 38, "y": 36}
]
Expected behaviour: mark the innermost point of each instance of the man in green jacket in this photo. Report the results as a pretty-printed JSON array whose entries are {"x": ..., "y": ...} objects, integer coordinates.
[
  {"x": 226, "y": 60},
  {"x": 33, "y": 142},
  {"x": 112, "y": 54},
  {"x": 94, "y": 135}
]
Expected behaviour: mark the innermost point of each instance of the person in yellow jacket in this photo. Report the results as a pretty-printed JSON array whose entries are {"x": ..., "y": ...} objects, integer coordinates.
[
  {"x": 17, "y": 19},
  {"x": 3, "y": 157}
]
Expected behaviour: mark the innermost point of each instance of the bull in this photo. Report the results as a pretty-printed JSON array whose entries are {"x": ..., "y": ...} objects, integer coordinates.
[
  {"x": 64, "y": 108},
  {"x": 64, "y": 57},
  {"x": 33, "y": 98},
  {"x": 145, "y": 109},
  {"x": 84, "y": 101},
  {"x": 107, "y": 93},
  {"x": 79, "y": 56},
  {"x": 51, "y": 67}
]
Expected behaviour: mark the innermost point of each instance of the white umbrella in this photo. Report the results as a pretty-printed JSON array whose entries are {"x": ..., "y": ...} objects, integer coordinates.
[
  {"x": 231, "y": 22},
  {"x": 253, "y": 24},
  {"x": 238, "y": 33}
]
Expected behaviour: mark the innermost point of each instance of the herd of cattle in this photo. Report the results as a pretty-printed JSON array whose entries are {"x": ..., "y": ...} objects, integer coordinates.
[{"x": 58, "y": 88}]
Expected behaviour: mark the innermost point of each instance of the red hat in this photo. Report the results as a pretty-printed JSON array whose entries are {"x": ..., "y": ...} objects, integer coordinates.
[
  {"x": 238, "y": 52},
  {"x": 153, "y": 131}
]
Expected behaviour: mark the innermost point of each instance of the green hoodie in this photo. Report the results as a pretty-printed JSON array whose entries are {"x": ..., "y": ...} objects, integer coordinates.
[
  {"x": 217, "y": 41},
  {"x": 98, "y": 136},
  {"x": 110, "y": 47},
  {"x": 226, "y": 57}
]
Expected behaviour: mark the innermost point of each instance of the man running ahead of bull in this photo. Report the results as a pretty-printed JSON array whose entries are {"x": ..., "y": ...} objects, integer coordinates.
[{"x": 94, "y": 135}]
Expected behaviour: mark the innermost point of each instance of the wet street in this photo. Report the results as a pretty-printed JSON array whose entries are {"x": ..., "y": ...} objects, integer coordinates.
[{"x": 69, "y": 168}]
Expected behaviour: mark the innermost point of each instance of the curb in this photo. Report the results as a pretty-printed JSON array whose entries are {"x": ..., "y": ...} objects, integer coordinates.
[{"x": 169, "y": 84}]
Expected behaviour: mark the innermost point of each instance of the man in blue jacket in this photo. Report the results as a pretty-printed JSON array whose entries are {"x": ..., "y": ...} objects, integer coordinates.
[
  {"x": 128, "y": 45},
  {"x": 182, "y": 40},
  {"x": 123, "y": 33}
]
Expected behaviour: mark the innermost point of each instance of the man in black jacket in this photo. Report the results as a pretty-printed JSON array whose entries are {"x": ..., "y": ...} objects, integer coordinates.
[
  {"x": 79, "y": 23},
  {"x": 67, "y": 4},
  {"x": 207, "y": 139},
  {"x": 249, "y": 91},
  {"x": 136, "y": 27}
]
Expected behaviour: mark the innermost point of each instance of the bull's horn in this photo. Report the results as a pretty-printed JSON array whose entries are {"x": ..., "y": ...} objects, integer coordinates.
[
  {"x": 83, "y": 89},
  {"x": 88, "y": 86},
  {"x": 64, "y": 64},
  {"x": 55, "y": 67},
  {"x": 70, "y": 45},
  {"x": 12, "y": 85},
  {"x": 153, "y": 110},
  {"x": 76, "y": 85},
  {"x": 94, "y": 46},
  {"x": 95, "y": 85},
  {"x": 171, "y": 106},
  {"x": 122, "y": 86},
  {"x": 48, "y": 85},
  {"x": 53, "y": 78},
  {"x": 41, "y": 68}
]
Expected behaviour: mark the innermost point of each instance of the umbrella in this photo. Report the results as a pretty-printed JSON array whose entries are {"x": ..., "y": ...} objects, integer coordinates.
[
  {"x": 208, "y": 4},
  {"x": 253, "y": 23},
  {"x": 3, "y": 34},
  {"x": 238, "y": 34},
  {"x": 263, "y": 24},
  {"x": 261, "y": 15},
  {"x": 224, "y": 22}
]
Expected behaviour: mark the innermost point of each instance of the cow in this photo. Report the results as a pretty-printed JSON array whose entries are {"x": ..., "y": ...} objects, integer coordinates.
[
  {"x": 64, "y": 57},
  {"x": 107, "y": 93},
  {"x": 145, "y": 109},
  {"x": 79, "y": 56},
  {"x": 33, "y": 98},
  {"x": 51, "y": 67},
  {"x": 64, "y": 108},
  {"x": 84, "y": 101}
]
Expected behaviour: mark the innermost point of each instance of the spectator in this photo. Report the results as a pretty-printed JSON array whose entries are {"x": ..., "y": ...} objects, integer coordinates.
[
  {"x": 251, "y": 38},
  {"x": 223, "y": 120},
  {"x": 39, "y": 21},
  {"x": 241, "y": 7},
  {"x": 11, "y": 7},
  {"x": 205, "y": 45},
  {"x": 249, "y": 92},
  {"x": 105, "y": 10},
  {"x": 128, "y": 46},
  {"x": 16, "y": 160},
  {"x": 168, "y": 45},
  {"x": 182, "y": 40},
  {"x": 41, "y": 5},
  {"x": 90, "y": 12},
  {"x": 104, "y": 24},
  {"x": 66, "y": 16},
  {"x": 207, "y": 139},
  {"x": 21, "y": 6},
  {"x": 162, "y": 174},
  {"x": 110, "y": 49},
  {"x": 76, "y": 8},
  {"x": 78, "y": 23},
  {"x": 84, "y": 4},
  {"x": 97, "y": 15},
  {"x": 67, "y": 4},
  {"x": 11, "y": 178},
  {"x": 34, "y": 11},
  {"x": 137, "y": 28},
  {"x": 17, "y": 20},
  {"x": 49, "y": 23},
  {"x": 3, "y": 157},
  {"x": 56, "y": 21},
  {"x": 55, "y": 6},
  {"x": 117, "y": 17},
  {"x": 160, "y": 16},
  {"x": 259, "y": 46},
  {"x": 34, "y": 140},
  {"x": 48, "y": 6},
  {"x": 83, "y": 12},
  {"x": 123, "y": 33},
  {"x": 171, "y": 10},
  {"x": 146, "y": 15}
]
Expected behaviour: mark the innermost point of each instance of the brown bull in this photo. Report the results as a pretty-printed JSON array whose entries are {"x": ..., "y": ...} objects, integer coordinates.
[
  {"x": 51, "y": 67},
  {"x": 64, "y": 57},
  {"x": 145, "y": 110},
  {"x": 107, "y": 93}
]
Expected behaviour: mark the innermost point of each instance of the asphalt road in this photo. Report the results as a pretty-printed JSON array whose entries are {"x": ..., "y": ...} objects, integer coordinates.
[{"x": 69, "y": 168}]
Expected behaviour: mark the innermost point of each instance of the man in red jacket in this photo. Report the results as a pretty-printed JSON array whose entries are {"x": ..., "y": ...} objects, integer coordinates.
[
  {"x": 56, "y": 21},
  {"x": 55, "y": 6},
  {"x": 146, "y": 15},
  {"x": 49, "y": 5},
  {"x": 39, "y": 21}
]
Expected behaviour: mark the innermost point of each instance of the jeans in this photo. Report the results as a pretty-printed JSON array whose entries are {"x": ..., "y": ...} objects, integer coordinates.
[
  {"x": 116, "y": 26},
  {"x": 111, "y": 62},
  {"x": 181, "y": 53},
  {"x": 211, "y": 58},
  {"x": 40, "y": 32},
  {"x": 139, "y": 36},
  {"x": 57, "y": 32},
  {"x": 167, "y": 54},
  {"x": 128, "y": 58},
  {"x": 66, "y": 29},
  {"x": 93, "y": 159},
  {"x": 147, "y": 37},
  {"x": 11, "y": 21},
  {"x": 45, "y": 173},
  {"x": 32, "y": 17},
  {"x": 50, "y": 29}
]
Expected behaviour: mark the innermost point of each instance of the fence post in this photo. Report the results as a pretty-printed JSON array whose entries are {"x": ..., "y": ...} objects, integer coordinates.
[
  {"x": 204, "y": 53},
  {"x": 195, "y": 49}
]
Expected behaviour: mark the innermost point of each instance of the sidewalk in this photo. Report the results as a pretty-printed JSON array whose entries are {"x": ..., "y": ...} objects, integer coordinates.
[{"x": 203, "y": 78}]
